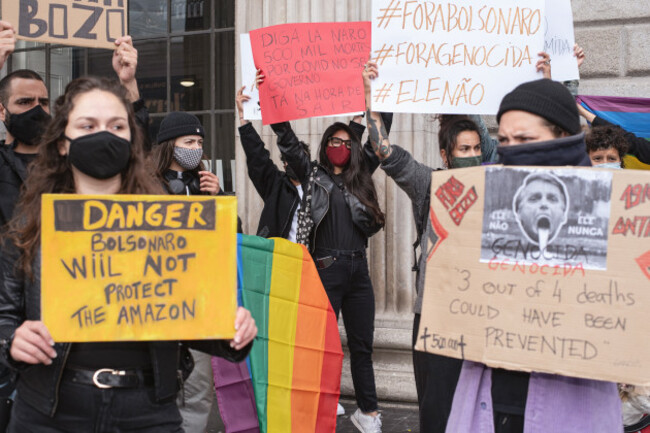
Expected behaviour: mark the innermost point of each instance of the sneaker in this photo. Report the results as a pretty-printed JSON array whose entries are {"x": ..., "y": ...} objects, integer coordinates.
[
  {"x": 366, "y": 423},
  {"x": 339, "y": 410}
]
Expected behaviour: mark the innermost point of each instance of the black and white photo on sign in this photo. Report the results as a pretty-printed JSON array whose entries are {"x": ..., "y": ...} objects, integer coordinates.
[{"x": 555, "y": 217}]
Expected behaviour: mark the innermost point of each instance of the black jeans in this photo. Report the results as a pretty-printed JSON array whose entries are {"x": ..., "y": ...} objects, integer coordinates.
[
  {"x": 88, "y": 409},
  {"x": 436, "y": 377},
  {"x": 348, "y": 286}
]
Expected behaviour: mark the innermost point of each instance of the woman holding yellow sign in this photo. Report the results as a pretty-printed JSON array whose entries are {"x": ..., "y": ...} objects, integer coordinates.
[{"x": 91, "y": 147}]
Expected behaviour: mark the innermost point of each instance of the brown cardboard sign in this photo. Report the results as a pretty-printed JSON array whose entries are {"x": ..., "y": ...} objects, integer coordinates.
[
  {"x": 541, "y": 269},
  {"x": 83, "y": 23}
]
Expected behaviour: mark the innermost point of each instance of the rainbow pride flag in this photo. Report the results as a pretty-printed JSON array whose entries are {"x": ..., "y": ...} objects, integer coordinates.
[
  {"x": 295, "y": 364},
  {"x": 631, "y": 114}
]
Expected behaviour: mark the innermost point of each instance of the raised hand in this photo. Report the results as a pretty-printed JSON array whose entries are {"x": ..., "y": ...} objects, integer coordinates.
[
  {"x": 7, "y": 41},
  {"x": 125, "y": 64}
]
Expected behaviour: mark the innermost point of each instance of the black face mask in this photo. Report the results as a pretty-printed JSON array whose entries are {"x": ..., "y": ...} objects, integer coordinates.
[
  {"x": 27, "y": 127},
  {"x": 101, "y": 155}
]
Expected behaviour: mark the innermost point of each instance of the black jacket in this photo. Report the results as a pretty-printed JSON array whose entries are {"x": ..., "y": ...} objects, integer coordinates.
[
  {"x": 639, "y": 147},
  {"x": 280, "y": 196},
  {"x": 290, "y": 147},
  {"x": 12, "y": 175},
  {"x": 38, "y": 385}
]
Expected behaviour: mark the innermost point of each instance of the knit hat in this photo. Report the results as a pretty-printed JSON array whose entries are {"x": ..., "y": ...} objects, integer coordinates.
[
  {"x": 178, "y": 124},
  {"x": 545, "y": 98}
]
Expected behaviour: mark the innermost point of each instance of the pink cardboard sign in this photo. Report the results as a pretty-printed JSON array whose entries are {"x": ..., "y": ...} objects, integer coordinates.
[{"x": 311, "y": 69}]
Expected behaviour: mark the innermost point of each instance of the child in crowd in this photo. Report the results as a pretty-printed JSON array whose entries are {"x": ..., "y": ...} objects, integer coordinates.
[{"x": 606, "y": 146}]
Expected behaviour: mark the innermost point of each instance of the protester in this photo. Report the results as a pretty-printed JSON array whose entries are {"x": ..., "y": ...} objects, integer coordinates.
[
  {"x": 606, "y": 146},
  {"x": 538, "y": 125},
  {"x": 179, "y": 154},
  {"x": 540, "y": 112},
  {"x": 462, "y": 143},
  {"x": 178, "y": 158},
  {"x": 459, "y": 141},
  {"x": 92, "y": 146},
  {"x": 25, "y": 112},
  {"x": 341, "y": 212},
  {"x": 281, "y": 191},
  {"x": 637, "y": 146}
]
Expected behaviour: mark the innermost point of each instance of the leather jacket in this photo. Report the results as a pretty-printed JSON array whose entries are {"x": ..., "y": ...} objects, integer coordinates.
[
  {"x": 38, "y": 384},
  {"x": 12, "y": 175},
  {"x": 290, "y": 147}
]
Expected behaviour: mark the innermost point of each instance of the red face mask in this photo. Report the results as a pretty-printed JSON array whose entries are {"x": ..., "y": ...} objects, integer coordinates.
[{"x": 338, "y": 156}]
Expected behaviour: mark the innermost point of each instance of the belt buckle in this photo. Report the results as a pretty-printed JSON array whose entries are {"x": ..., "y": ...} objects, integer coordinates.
[{"x": 106, "y": 370}]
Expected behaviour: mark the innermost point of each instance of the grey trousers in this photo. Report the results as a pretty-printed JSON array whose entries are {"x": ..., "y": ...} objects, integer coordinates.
[{"x": 198, "y": 394}]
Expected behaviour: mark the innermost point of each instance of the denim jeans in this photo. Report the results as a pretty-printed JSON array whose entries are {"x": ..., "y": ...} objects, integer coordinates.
[
  {"x": 349, "y": 289},
  {"x": 88, "y": 409}
]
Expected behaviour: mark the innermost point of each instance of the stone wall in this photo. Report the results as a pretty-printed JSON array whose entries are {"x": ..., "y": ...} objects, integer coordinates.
[{"x": 616, "y": 36}]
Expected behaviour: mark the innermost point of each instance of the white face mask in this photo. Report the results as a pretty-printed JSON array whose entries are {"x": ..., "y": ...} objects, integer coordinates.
[
  {"x": 189, "y": 159},
  {"x": 614, "y": 165}
]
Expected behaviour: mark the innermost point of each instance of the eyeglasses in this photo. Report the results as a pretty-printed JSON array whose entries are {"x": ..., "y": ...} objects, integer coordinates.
[{"x": 337, "y": 142}]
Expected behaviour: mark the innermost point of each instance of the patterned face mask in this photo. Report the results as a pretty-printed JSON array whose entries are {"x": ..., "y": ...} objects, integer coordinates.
[{"x": 189, "y": 159}]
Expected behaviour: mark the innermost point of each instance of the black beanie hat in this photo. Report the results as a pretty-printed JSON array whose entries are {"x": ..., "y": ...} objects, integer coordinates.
[
  {"x": 177, "y": 124},
  {"x": 546, "y": 98}
]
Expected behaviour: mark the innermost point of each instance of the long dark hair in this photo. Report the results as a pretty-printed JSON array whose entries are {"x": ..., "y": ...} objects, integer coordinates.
[
  {"x": 50, "y": 173},
  {"x": 450, "y": 127},
  {"x": 356, "y": 176}
]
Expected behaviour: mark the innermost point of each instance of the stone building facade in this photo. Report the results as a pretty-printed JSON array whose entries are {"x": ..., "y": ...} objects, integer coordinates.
[{"x": 616, "y": 37}]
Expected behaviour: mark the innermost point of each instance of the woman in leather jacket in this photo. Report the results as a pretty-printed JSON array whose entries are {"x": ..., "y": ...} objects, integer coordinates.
[
  {"x": 91, "y": 147},
  {"x": 340, "y": 213}
]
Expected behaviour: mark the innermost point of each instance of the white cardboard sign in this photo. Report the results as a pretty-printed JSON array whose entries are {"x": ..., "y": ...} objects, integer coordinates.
[
  {"x": 252, "y": 110},
  {"x": 559, "y": 40},
  {"x": 458, "y": 57}
]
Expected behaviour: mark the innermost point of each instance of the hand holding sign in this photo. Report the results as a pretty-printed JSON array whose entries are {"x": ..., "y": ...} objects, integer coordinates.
[
  {"x": 32, "y": 344},
  {"x": 240, "y": 99},
  {"x": 7, "y": 41},
  {"x": 370, "y": 72},
  {"x": 544, "y": 64},
  {"x": 246, "y": 329},
  {"x": 125, "y": 63},
  {"x": 579, "y": 54}
]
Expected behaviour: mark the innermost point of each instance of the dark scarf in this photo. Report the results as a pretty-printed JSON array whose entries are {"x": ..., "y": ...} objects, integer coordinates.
[{"x": 562, "y": 151}]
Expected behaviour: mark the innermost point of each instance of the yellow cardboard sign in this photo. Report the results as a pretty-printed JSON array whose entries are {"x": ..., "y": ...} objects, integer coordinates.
[
  {"x": 138, "y": 267},
  {"x": 540, "y": 269},
  {"x": 83, "y": 23}
]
